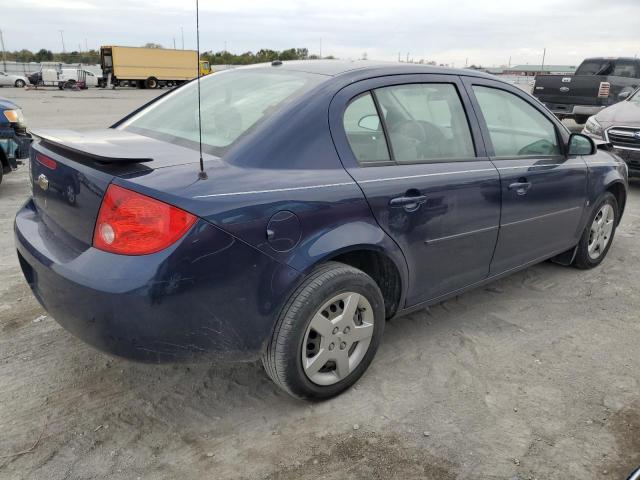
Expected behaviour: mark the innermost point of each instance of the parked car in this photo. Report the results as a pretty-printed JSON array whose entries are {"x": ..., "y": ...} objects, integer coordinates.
[
  {"x": 597, "y": 83},
  {"x": 7, "y": 80},
  {"x": 14, "y": 139},
  {"x": 620, "y": 126},
  {"x": 334, "y": 195}
]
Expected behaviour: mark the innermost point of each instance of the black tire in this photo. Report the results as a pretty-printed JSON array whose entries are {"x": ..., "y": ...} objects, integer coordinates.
[
  {"x": 1, "y": 172},
  {"x": 20, "y": 83},
  {"x": 151, "y": 82},
  {"x": 283, "y": 357},
  {"x": 583, "y": 260},
  {"x": 581, "y": 119}
]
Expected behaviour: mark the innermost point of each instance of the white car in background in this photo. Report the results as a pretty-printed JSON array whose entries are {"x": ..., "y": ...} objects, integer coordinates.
[{"x": 7, "y": 80}]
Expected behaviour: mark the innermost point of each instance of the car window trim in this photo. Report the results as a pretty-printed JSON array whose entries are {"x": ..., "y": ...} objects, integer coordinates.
[
  {"x": 461, "y": 92},
  {"x": 383, "y": 124},
  {"x": 470, "y": 82}
]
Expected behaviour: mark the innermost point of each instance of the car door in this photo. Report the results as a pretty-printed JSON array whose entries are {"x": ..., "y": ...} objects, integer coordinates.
[
  {"x": 4, "y": 79},
  {"x": 543, "y": 189},
  {"x": 419, "y": 159}
]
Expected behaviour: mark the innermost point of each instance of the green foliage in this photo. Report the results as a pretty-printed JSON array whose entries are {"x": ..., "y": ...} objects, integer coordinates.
[
  {"x": 264, "y": 55},
  {"x": 92, "y": 57}
]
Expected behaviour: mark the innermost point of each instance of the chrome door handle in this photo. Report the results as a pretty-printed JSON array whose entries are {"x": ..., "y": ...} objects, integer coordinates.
[
  {"x": 409, "y": 203},
  {"x": 521, "y": 188}
]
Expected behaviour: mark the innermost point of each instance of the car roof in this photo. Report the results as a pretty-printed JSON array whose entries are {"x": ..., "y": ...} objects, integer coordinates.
[{"x": 335, "y": 68}]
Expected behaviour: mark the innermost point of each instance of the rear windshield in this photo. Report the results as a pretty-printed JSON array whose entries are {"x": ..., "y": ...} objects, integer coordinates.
[
  {"x": 232, "y": 103},
  {"x": 595, "y": 67}
]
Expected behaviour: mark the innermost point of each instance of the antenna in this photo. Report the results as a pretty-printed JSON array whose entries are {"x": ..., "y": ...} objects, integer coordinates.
[{"x": 201, "y": 174}]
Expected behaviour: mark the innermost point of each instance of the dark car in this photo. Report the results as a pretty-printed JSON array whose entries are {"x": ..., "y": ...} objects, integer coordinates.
[
  {"x": 597, "y": 83},
  {"x": 335, "y": 195},
  {"x": 14, "y": 139},
  {"x": 619, "y": 125}
]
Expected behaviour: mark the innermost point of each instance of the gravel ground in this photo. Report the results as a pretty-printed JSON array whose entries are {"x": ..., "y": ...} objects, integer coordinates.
[{"x": 534, "y": 376}]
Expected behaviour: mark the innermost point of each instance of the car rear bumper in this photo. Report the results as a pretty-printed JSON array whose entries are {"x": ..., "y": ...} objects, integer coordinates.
[
  {"x": 208, "y": 296},
  {"x": 567, "y": 111}
]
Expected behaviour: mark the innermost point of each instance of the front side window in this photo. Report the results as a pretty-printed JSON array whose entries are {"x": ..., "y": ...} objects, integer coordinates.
[
  {"x": 425, "y": 122},
  {"x": 232, "y": 103},
  {"x": 516, "y": 128},
  {"x": 364, "y": 130}
]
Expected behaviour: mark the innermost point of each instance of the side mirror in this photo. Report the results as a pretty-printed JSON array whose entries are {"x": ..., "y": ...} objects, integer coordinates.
[
  {"x": 624, "y": 95},
  {"x": 581, "y": 145},
  {"x": 370, "y": 122}
]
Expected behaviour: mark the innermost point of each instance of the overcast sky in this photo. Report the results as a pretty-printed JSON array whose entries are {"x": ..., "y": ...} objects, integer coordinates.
[{"x": 485, "y": 32}]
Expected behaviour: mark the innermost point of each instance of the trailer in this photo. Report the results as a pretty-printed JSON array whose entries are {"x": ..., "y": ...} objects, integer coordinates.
[{"x": 147, "y": 67}]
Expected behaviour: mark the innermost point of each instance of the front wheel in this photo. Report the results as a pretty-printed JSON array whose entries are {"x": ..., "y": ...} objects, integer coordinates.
[
  {"x": 20, "y": 83},
  {"x": 327, "y": 334},
  {"x": 598, "y": 234}
]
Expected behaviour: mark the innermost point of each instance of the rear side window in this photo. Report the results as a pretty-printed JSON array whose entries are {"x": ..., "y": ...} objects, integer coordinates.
[
  {"x": 364, "y": 130},
  {"x": 600, "y": 66},
  {"x": 516, "y": 128},
  {"x": 232, "y": 103},
  {"x": 425, "y": 122}
]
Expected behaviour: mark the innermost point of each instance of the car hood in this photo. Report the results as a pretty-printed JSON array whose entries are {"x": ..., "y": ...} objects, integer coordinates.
[{"x": 622, "y": 113}]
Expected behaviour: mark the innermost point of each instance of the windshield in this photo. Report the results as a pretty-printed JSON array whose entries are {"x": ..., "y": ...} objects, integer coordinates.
[{"x": 232, "y": 103}]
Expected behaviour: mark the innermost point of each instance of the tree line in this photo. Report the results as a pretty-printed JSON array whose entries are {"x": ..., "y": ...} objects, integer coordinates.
[{"x": 215, "y": 58}]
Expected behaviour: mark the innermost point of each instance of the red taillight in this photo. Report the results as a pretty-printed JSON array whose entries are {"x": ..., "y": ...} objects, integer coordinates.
[
  {"x": 50, "y": 163},
  {"x": 130, "y": 223}
]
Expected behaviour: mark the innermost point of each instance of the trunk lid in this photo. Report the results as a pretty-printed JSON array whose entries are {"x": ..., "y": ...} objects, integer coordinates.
[{"x": 70, "y": 171}]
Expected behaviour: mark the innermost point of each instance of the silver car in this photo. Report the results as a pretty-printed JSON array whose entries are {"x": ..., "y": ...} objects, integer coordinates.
[
  {"x": 619, "y": 125},
  {"x": 7, "y": 80}
]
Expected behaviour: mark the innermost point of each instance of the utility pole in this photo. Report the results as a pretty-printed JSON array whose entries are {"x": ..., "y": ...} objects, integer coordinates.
[
  {"x": 544, "y": 54},
  {"x": 407, "y": 57},
  {"x": 62, "y": 38},
  {"x": 4, "y": 56},
  {"x": 320, "y": 48},
  {"x": 174, "y": 43},
  {"x": 509, "y": 61},
  {"x": 182, "y": 32},
  {"x": 86, "y": 45},
  {"x": 399, "y": 60}
]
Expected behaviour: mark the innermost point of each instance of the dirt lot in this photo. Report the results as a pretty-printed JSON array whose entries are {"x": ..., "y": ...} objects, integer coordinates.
[{"x": 534, "y": 376}]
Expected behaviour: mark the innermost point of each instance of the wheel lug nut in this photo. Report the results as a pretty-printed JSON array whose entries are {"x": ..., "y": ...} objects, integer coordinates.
[
  {"x": 332, "y": 346},
  {"x": 343, "y": 345},
  {"x": 335, "y": 330},
  {"x": 346, "y": 330}
]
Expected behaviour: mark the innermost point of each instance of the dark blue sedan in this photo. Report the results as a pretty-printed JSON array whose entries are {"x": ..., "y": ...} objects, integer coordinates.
[{"x": 336, "y": 195}]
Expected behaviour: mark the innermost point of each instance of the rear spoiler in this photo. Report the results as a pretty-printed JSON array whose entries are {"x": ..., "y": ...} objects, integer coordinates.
[{"x": 105, "y": 145}]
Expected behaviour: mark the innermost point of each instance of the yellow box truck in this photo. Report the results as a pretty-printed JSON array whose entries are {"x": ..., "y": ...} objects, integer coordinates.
[{"x": 148, "y": 67}]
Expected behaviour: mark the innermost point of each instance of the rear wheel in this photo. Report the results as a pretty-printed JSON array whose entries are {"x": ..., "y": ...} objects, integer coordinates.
[
  {"x": 151, "y": 82},
  {"x": 599, "y": 232},
  {"x": 327, "y": 334},
  {"x": 20, "y": 83}
]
